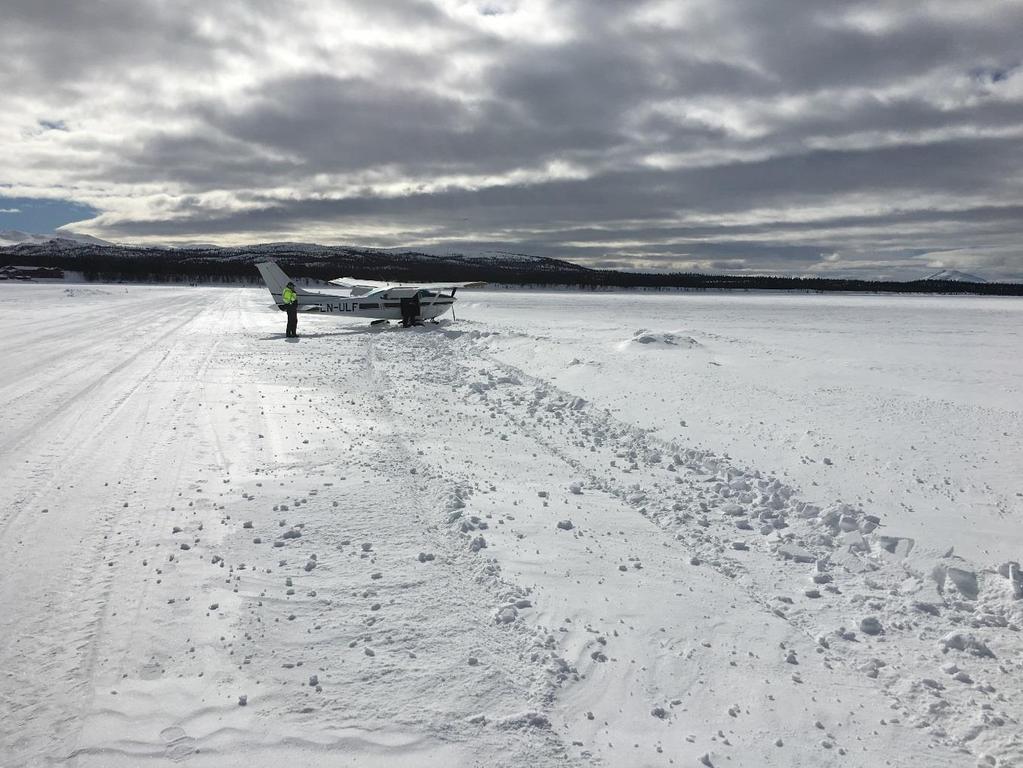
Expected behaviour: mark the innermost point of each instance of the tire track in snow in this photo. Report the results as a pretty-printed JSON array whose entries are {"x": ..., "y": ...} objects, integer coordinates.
[
  {"x": 92, "y": 567},
  {"x": 163, "y": 462},
  {"x": 14, "y": 441},
  {"x": 498, "y": 591},
  {"x": 86, "y": 342}
]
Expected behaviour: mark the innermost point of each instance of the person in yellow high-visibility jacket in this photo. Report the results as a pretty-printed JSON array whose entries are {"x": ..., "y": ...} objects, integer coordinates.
[{"x": 291, "y": 307}]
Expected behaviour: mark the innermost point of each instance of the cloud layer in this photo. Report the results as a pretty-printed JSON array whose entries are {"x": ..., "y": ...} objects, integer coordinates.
[{"x": 791, "y": 136}]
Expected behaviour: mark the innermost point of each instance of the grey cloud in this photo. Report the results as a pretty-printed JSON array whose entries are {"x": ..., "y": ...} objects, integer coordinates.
[
  {"x": 657, "y": 196},
  {"x": 72, "y": 45},
  {"x": 984, "y": 218},
  {"x": 581, "y": 83},
  {"x": 956, "y": 167},
  {"x": 52, "y": 125},
  {"x": 196, "y": 162},
  {"x": 337, "y": 124},
  {"x": 843, "y": 57},
  {"x": 805, "y": 47},
  {"x": 903, "y": 116},
  {"x": 55, "y": 43}
]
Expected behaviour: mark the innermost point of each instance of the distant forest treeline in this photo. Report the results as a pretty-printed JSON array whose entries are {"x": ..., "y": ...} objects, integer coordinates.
[{"x": 132, "y": 264}]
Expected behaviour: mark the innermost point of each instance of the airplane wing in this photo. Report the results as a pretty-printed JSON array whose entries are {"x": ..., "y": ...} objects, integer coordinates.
[
  {"x": 444, "y": 286},
  {"x": 375, "y": 285},
  {"x": 351, "y": 282}
]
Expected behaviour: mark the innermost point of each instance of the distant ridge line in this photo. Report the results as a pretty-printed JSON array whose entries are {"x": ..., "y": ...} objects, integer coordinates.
[{"x": 102, "y": 262}]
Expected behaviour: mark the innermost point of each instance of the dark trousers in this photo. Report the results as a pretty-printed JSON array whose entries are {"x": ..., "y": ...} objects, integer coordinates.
[
  {"x": 292, "y": 320},
  {"x": 409, "y": 311}
]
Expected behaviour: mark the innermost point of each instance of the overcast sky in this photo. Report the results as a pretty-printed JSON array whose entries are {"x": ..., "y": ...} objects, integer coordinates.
[{"x": 791, "y": 136}]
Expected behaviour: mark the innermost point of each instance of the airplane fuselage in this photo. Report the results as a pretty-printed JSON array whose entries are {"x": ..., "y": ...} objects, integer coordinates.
[{"x": 375, "y": 306}]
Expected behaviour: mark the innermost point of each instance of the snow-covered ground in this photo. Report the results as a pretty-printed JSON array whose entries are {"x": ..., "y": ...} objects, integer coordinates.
[{"x": 565, "y": 529}]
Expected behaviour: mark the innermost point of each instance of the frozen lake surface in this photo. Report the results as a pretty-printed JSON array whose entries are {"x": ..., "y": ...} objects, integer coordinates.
[{"x": 565, "y": 529}]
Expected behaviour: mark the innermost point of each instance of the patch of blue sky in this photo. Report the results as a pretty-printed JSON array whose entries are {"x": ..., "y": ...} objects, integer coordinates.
[{"x": 41, "y": 215}]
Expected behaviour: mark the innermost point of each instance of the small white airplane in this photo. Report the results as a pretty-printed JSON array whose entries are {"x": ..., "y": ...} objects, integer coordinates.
[{"x": 379, "y": 301}]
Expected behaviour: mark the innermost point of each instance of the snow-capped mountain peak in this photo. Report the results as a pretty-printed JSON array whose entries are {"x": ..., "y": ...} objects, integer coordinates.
[{"x": 955, "y": 276}]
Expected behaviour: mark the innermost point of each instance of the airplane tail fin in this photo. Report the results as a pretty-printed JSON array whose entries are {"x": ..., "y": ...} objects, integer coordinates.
[{"x": 276, "y": 280}]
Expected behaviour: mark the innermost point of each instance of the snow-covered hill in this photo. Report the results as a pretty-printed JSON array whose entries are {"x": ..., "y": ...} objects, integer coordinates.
[
  {"x": 10, "y": 237},
  {"x": 955, "y": 276},
  {"x": 303, "y": 259}
]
